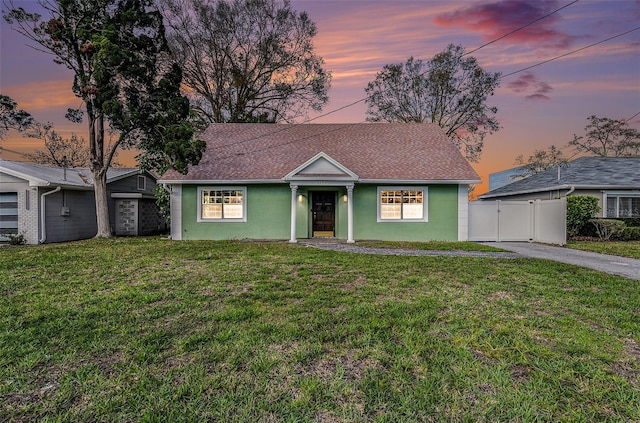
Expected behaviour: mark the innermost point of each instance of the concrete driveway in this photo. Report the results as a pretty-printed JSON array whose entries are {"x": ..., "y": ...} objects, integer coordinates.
[{"x": 627, "y": 267}]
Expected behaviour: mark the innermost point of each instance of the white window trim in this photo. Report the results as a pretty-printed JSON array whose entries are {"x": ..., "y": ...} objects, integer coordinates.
[
  {"x": 425, "y": 203},
  {"x": 142, "y": 178},
  {"x": 222, "y": 188},
  {"x": 616, "y": 195}
]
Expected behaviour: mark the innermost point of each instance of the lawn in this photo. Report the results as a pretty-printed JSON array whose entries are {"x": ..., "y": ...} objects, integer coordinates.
[
  {"x": 617, "y": 248},
  {"x": 153, "y": 330}
]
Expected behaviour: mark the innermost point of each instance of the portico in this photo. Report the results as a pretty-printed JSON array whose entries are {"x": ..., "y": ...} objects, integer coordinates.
[{"x": 319, "y": 175}]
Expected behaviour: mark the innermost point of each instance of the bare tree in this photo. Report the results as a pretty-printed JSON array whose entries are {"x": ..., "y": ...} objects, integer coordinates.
[
  {"x": 450, "y": 90},
  {"x": 246, "y": 60},
  {"x": 607, "y": 137},
  {"x": 11, "y": 117},
  {"x": 540, "y": 161},
  {"x": 58, "y": 151}
]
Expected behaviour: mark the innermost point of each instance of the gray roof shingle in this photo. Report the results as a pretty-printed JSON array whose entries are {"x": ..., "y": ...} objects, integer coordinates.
[
  {"x": 585, "y": 172},
  {"x": 41, "y": 175},
  {"x": 373, "y": 151}
]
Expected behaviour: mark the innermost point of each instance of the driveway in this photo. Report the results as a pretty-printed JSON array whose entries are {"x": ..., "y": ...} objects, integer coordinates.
[{"x": 623, "y": 266}]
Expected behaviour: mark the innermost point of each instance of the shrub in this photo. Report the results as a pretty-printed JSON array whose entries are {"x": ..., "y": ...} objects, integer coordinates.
[
  {"x": 630, "y": 221},
  {"x": 608, "y": 228},
  {"x": 580, "y": 211},
  {"x": 630, "y": 233},
  {"x": 163, "y": 199},
  {"x": 16, "y": 239}
]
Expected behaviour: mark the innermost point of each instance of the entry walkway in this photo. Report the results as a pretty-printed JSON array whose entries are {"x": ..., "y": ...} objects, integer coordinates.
[
  {"x": 614, "y": 265},
  {"x": 337, "y": 245}
]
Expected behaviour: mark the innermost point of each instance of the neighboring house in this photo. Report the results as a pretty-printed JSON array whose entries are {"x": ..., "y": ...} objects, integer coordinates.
[
  {"x": 381, "y": 181},
  {"x": 53, "y": 204},
  {"x": 615, "y": 181},
  {"x": 505, "y": 177}
]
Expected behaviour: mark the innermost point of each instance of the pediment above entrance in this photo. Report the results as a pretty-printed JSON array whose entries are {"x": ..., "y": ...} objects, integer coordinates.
[{"x": 321, "y": 167}]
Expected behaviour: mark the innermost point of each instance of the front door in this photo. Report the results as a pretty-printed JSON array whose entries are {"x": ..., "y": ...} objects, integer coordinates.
[{"x": 323, "y": 213}]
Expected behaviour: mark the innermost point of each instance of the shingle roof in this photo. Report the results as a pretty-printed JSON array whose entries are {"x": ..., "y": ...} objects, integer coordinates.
[
  {"x": 373, "y": 151},
  {"x": 41, "y": 175},
  {"x": 585, "y": 172}
]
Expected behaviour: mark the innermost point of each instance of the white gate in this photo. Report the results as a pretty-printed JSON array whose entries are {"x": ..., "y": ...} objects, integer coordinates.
[{"x": 534, "y": 221}]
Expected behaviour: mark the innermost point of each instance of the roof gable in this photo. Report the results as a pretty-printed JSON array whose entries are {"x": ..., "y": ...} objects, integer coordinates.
[
  {"x": 321, "y": 166},
  {"x": 254, "y": 152}
]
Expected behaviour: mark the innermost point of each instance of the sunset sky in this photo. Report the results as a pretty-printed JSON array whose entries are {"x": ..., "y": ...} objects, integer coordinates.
[{"x": 538, "y": 107}]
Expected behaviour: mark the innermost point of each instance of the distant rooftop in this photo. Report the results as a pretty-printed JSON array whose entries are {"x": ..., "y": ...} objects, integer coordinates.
[
  {"x": 585, "y": 172},
  {"x": 41, "y": 175}
]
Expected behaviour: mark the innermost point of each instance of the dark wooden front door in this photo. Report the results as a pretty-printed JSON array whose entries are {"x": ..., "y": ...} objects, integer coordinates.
[{"x": 323, "y": 213}]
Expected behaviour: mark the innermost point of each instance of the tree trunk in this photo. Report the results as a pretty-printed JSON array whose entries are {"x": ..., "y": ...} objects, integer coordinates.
[
  {"x": 102, "y": 205},
  {"x": 99, "y": 172}
]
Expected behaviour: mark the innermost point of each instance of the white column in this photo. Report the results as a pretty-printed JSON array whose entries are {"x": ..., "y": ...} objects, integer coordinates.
[
  {"x": 294, "y": 209},
  {"x": 350, "y": 214}
]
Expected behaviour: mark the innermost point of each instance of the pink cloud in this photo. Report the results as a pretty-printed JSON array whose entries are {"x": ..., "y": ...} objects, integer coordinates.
[
  {"x": 528, "y": 82},
  {"x": 537, "y": 97},
  {"x": 494, "y": 20}
]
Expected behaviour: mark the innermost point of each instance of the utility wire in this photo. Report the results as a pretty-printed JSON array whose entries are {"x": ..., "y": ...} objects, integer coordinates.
[
  {"x": 521, "y": 28},
  {"x": 11, "y": 151},
  {"x": 364, "y": 99},
  {"x": 570, "y": 53},
  {"x": 627, "y": 120}
]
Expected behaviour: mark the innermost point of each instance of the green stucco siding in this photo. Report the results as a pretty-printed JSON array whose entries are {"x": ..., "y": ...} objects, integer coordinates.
[
  {"x": 442, "y": 224},
  {"x": 268, "y": 215}
]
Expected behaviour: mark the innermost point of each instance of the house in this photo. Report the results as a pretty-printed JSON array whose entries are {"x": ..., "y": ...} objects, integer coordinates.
[
  {"x": 500, "y": 179},
  {"x": 615, "y": 181},
  {"x": 53, "y": 204},
  {"x": 382, "y": 181}
]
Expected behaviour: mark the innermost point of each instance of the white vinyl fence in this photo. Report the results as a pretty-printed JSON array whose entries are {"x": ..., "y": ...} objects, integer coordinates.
[{"x": 533, "y": 221}]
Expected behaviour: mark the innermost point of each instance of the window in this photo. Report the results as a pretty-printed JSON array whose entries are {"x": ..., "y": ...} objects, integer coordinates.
[
  {"x": 222, "y": 204},
  {"x": 620, "y": 205},
  {"x": 402, "y": 204},
  {"x": 142, "y": 182},
  {"x": 8, "y": 214}
]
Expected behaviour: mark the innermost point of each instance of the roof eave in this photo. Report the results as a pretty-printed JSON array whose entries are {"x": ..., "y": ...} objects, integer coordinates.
[
  {"x": 132, "y": 172},
  {"x": 421, "y": 181},
  {"x": 302, "y": 181},
  {"x": 557, "y": 187},
  {"x": 218, "y": 181},
  {"x": 33, "y": 181},
  {"x": 525, "y": 191}
]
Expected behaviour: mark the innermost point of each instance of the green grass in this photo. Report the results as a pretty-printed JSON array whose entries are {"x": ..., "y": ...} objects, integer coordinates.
[
  {"x": 616, "y": 248},
  {"x": 151, "y": 330}
]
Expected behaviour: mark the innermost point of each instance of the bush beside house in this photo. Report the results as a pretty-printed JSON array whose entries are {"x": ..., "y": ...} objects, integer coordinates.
[
  {"x": 580, "y": 210},
  {"x": 581, "y": 222}
]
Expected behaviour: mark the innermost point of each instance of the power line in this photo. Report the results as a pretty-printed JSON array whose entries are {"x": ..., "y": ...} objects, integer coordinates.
[
  {"x": 365, "y": 98},
  {"x": 340, "y": 128},
  {"x": 288, "y": 127},
  {"x": 521, "y": 28},
  {"x": 627, "y": 120},
  {"x": 12, "y": 151},
  {"x": 570, "y": 53}
]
